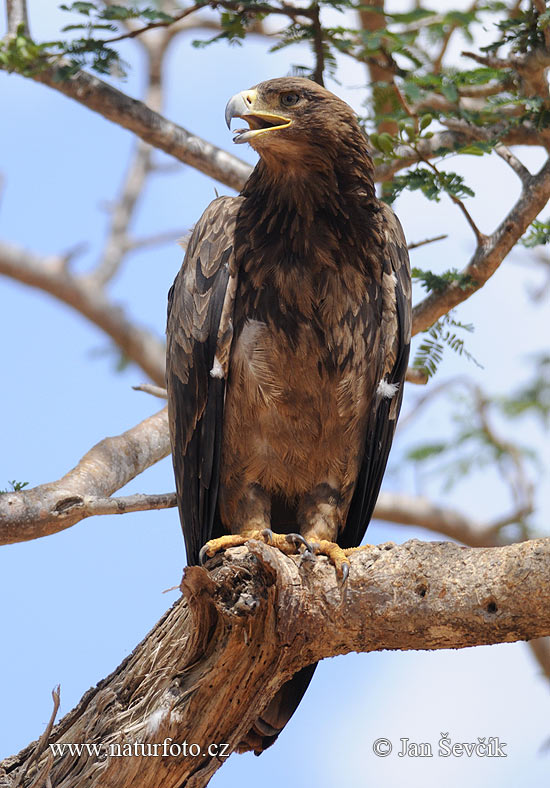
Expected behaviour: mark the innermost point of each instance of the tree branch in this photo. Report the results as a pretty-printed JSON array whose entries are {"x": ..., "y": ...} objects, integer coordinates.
[
  {"x": 16, "y": 12},
  {"x": 193, "y": 678},
  {"x": 111, "y": 463},
  {"x": 118, "y": 242},
  {"x": 107, "y": 467},
  {"x": 150, "y": 126},
  {"x": 83, "y": 295},
  {"x": 490, "y": 253}
]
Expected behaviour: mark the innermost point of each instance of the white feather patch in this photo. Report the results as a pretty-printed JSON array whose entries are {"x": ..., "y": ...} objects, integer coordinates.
[
  {"x": 386, "y": 389},
  {"x": 217, "y": 369}
]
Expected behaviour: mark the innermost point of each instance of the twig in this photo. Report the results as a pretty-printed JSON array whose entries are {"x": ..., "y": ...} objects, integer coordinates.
[
  {"x": 155, "y": 391},
  {"x": 405, "y": 105},
  {"x": 491, "y": 61},
  {"x": 416, "y": 244},
  {"x": 481, "y": 239},
  {"x": 117, "y": 241},
  {"x": 283, "y": 9},
  {"x": 41, "y": 745},
  {"x": 489, "y": 255},
  {"x": 153, "y": 25},
  {"x": 168, "y": 236},
  {"x": 447, "y": 38},
  {"x": 519, "y": 168},
  {"x": 318, "y": 45}
]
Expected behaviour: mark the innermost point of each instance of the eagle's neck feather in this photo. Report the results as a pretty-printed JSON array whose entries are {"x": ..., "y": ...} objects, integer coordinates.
[{"x": 295, "y": 210}]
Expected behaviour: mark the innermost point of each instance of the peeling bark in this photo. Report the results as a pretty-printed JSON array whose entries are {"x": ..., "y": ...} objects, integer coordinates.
[{"x": 222, "y": 651}]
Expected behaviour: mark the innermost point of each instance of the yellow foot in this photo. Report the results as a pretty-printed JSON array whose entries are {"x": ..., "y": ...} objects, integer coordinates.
[
  {"x": 337, "y": 555},
  {"x": 286, "y": 543}
]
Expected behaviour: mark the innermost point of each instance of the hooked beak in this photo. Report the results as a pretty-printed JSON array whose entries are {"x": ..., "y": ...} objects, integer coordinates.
[{"x": 243, "y": 105}]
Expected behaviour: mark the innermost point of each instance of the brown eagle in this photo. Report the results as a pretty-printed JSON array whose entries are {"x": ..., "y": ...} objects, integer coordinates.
[{"x": 288, "y": 340}]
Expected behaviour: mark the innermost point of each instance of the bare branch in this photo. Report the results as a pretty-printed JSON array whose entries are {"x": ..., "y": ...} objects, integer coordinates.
[
  {"x": 16, "y": 12},
  {"x": 259, "y": 602},
  {"x": 512, "y": 160},
  {"x": 50, "y": 275},
  {"x": 490, "y": 253},
  {"x": 84, "y": 491},
  {"x": 42, "y": 743},
  {"x": 416, "y": 244},
  {"x": 155, "y": 391},
  {"x": 124, "y": 504},
  {"x": 318, "y": 45},
  {"x": 117, "y": 242},
  {"x": 153, "y": 25},
  {"x": 107, "y": 467},
  {"x": 150, "y": 126}
]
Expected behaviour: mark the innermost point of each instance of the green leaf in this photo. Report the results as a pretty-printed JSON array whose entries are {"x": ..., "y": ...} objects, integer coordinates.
[
  {"x": 538, "y": 234},
  {"x": 430, "y": 183},
  {"x": 15, "y": 487},
  {"x": 426, "y": 451},
  {"x": 80, "y": 8}
]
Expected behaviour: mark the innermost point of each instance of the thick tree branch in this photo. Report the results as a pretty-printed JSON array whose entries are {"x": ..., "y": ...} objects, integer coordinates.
[
  {"x": 83, "y": 295},
  {"x": 161, "y": 133},
  {"x": 107, "y": 467},
  {"x": 150, "y": 126},
  {"x": 220, "y": 654},
  {"x": 110, "y": 464}
]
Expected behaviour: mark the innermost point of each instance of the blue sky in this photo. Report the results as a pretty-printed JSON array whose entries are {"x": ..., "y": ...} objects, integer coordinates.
[{"x": 76, "y": 603}]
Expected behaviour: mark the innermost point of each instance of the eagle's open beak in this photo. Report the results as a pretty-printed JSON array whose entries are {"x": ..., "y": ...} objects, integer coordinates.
[{"x": 243, "y": 105}]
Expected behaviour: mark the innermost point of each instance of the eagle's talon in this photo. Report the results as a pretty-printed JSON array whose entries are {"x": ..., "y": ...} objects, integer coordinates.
[
  {"x": 307, "y": 555},
  {"x": 267, "y": 534},
  {"x": 297, "y": 540},
  {"x": 345, "y": 573},
  {"x": 203, "y": 554}
]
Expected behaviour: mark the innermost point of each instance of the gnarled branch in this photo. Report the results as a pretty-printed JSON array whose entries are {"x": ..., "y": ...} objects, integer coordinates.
[{"x": 220, "y": 654}]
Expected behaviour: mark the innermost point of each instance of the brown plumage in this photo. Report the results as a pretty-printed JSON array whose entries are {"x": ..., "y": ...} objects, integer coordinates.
[{"x": 288, "y": 337}]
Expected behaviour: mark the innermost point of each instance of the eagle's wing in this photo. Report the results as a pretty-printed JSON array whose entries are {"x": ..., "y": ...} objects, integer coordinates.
[
  {"x": 395, "y": 343},
  {"x": 199, "y": 333}
]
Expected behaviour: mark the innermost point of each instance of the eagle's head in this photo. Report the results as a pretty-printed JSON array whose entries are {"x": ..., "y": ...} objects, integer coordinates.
[{"x": 291, "y": 117}]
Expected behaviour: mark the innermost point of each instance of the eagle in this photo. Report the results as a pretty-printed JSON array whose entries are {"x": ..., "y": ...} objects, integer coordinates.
[{"x": 287, "y": 346}]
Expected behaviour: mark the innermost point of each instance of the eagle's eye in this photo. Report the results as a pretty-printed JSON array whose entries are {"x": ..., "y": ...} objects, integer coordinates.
[{"x": 289, "y": 99}]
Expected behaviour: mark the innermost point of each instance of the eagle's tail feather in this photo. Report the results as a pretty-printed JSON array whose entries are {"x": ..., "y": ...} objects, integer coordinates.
[{"x": 277, "y": 713}]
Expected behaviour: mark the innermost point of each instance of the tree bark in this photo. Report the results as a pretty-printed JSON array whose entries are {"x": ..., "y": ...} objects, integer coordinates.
[{"x": 239, "y": 631}]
